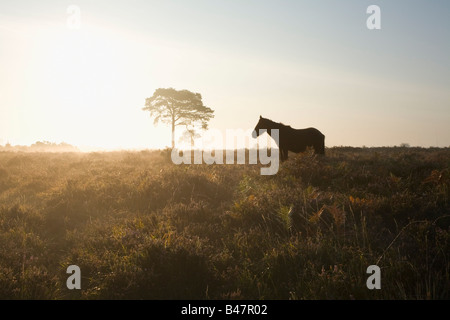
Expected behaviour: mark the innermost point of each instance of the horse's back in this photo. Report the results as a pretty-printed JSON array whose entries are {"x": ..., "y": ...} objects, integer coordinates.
[
  {"x": 299, "y": 139},
  {"x": 311, "y": 132}
]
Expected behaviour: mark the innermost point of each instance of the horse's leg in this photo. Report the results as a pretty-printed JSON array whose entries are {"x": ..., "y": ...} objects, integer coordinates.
[{"x": 320, "y": 147}]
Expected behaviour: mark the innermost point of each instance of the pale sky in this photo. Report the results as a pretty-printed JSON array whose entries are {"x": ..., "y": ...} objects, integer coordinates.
[{"x": 303, "y": 63}]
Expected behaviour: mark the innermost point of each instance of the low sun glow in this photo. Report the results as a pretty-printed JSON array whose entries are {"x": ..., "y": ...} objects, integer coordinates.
[{"x": 86, "y": 86}]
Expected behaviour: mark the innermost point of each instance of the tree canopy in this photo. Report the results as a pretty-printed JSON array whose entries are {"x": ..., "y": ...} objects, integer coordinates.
[{"x": 178, "y": 108}]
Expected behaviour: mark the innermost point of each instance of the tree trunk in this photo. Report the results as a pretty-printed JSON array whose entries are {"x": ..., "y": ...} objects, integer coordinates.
[{"x": 173, "y": 132}]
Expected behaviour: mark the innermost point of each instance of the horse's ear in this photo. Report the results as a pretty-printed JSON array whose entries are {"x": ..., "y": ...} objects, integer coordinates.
[{"x": 260, "y": 117}]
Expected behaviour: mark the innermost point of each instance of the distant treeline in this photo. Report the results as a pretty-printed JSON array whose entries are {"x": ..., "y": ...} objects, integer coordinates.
[
  {"x": 41, "y": 146},
  {"x": 385, "y": 148}
]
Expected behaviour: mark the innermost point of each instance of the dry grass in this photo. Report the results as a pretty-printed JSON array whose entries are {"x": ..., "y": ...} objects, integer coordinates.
[{"x": 140, "y": 227}]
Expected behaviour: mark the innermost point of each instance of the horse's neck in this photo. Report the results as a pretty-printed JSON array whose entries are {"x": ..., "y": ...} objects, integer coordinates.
[{"x": 277, "y": 126}]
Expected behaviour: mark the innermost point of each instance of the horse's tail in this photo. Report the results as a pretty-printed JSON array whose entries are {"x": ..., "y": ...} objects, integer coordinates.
[{"x": 321, "y": 144}]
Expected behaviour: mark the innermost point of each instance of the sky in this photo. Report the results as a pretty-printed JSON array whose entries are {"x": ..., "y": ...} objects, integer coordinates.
[{"x": 303, "y": 63}]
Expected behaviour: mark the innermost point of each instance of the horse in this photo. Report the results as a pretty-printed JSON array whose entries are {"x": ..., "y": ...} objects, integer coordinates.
[{"x": 290, "y": 139}]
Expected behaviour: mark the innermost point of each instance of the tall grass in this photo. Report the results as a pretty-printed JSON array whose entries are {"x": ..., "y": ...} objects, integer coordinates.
[{"x": 140, "y": 227}]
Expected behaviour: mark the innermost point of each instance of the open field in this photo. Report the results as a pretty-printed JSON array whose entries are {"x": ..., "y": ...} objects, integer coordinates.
[{"x": 140, "y": 227}]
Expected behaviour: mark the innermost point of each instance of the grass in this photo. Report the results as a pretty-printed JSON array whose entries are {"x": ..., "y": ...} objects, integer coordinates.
[{"x": 140, "y": 227}]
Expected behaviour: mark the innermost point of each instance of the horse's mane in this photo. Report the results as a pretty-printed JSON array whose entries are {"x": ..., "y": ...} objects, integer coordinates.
[{"x": 281, "y": 124}]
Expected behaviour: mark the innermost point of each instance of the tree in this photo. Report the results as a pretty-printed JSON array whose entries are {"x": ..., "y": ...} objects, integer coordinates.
[
  {"x": 189, "y": 135},
  {"x": 178, "y": 108}
]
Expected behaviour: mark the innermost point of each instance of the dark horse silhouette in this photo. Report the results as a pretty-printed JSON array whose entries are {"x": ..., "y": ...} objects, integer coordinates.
[{"x": 290, "y": 139}]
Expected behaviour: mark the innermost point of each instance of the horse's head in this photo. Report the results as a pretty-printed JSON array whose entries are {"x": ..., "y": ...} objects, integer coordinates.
[
  {"x": 263, "y": 123},
  {"x": 259, "y": 125}
]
